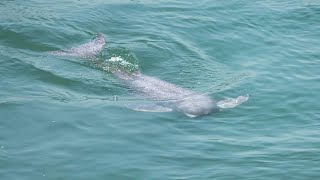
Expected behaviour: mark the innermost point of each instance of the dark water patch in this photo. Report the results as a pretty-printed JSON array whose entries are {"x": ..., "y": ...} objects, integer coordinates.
[{"x": 20, "y": 41}]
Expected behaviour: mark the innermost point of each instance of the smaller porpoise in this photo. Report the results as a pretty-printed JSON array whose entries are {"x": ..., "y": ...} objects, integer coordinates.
[{"x": 168, "y": 96}]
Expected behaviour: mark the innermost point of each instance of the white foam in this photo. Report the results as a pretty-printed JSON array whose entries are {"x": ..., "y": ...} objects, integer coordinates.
[
  {"x": 115, "y": 59},
  {"x": 119, "y": 62}
]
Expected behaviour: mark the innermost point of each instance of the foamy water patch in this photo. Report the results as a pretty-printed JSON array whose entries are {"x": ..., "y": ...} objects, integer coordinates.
[{"x": 118, "y": 63}]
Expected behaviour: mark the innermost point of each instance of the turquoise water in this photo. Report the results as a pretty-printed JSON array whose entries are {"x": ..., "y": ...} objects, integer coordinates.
[{"x": 58, "y": 119}]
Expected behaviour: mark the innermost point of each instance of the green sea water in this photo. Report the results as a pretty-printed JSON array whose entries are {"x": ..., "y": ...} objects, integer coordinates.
[{"x": 59, "y": 118}]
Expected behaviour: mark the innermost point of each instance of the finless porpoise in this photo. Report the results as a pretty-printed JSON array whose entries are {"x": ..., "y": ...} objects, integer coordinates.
[{"x": 167, "y": 96}]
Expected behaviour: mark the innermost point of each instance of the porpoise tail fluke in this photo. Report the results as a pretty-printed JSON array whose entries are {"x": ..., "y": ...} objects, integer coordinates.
[{"x": 87, "y": 50}]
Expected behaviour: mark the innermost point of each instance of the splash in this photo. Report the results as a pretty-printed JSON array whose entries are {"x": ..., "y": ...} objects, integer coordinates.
[
  {"x": 232, "y": 102},
  {"x": 117, "y": 63}
]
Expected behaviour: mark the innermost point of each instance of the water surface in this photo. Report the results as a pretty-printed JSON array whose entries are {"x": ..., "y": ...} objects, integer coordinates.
[{"x": 58, "y": 119}]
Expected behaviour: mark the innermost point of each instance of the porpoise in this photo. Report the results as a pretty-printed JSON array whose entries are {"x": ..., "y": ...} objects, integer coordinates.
[{"x": 166, "y": 96}]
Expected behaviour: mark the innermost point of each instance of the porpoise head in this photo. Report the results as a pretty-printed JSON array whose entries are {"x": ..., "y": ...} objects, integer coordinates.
[{"x": 196, "y": 105}]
